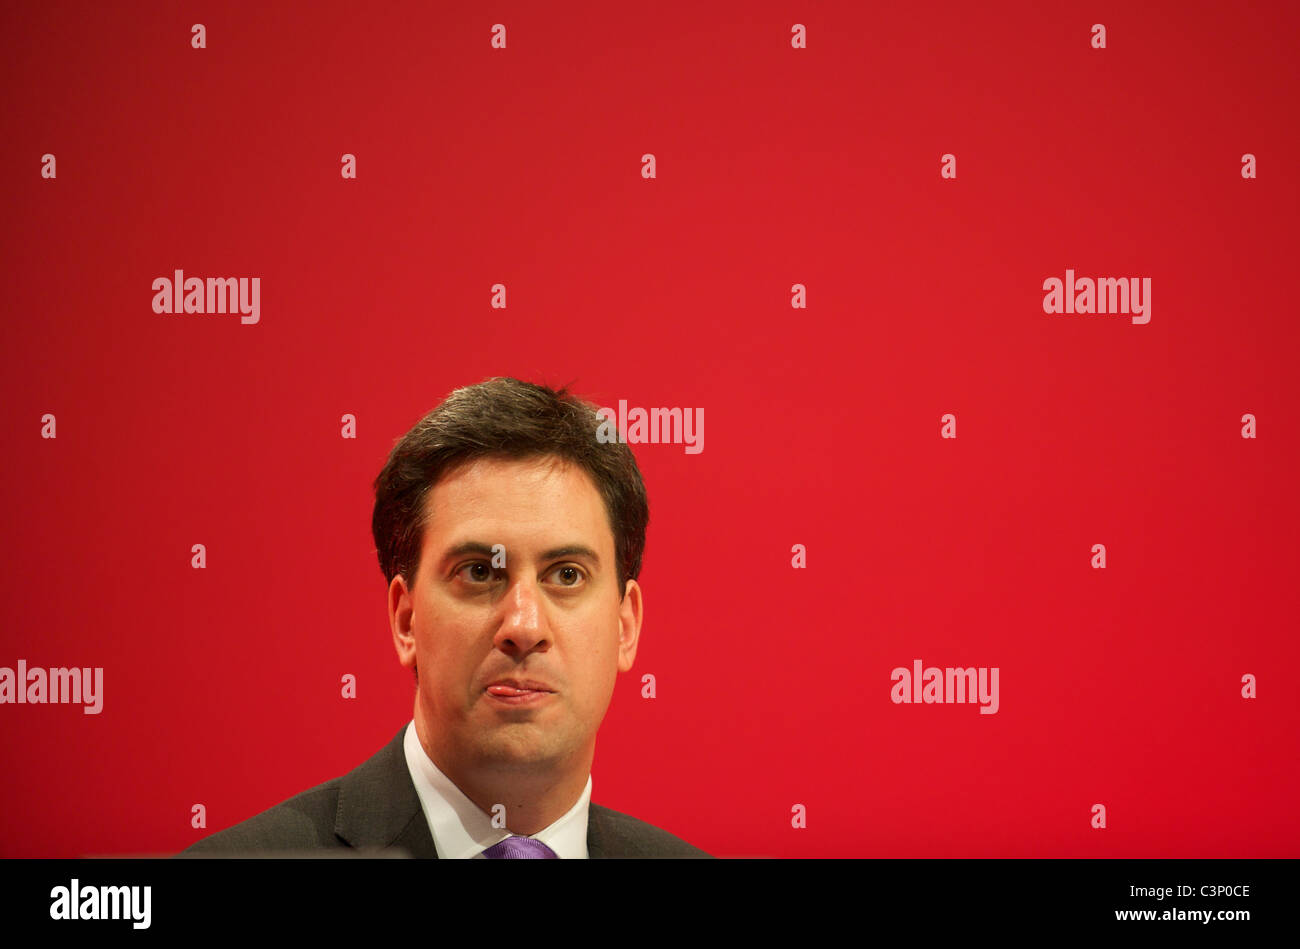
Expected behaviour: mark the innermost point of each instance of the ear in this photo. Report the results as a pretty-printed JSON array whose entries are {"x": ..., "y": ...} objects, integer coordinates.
[
  {"x": 401, "y": 613},
  {"x": 629, "y": 625}
]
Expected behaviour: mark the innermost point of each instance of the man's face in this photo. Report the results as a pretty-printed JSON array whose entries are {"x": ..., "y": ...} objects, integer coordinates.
[{"x": 551, "y": 617}]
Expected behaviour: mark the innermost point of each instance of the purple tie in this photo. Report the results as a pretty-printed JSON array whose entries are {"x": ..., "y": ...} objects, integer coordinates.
[{"x": 520, "y": 848}]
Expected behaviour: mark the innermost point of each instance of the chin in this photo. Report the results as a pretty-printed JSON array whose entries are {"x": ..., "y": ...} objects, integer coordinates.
[{"x": 524, "y": 750}]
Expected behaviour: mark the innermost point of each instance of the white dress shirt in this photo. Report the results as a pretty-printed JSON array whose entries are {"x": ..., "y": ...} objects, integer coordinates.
[{"x": 461, "y": 829}]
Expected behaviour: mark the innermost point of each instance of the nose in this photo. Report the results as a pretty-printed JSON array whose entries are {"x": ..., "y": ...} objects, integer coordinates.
[{"x": 523, "y": 627}]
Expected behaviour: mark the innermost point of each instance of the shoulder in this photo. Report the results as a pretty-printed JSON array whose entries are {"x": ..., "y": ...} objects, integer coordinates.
[
  {"x": 611, "y": 833},
  {"x": 302, "y": 822},
  {"x": 372, "y": 806}
]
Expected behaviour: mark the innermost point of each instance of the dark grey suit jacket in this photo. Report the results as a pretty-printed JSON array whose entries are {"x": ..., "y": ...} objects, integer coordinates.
[{"x": 375, "y": 807}]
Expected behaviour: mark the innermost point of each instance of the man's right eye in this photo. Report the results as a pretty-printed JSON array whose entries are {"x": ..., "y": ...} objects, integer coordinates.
[{"x": 477, "y": 572}]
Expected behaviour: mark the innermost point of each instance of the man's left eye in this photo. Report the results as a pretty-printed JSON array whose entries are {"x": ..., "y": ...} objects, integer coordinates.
[{"x": 567, "y": 576}]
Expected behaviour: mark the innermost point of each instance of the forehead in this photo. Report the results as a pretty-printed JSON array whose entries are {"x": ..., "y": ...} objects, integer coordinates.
[{"x": 544, "y": 500}]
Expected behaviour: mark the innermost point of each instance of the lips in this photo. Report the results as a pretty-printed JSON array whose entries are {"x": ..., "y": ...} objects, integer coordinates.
[{"x": 508, "y": 687}]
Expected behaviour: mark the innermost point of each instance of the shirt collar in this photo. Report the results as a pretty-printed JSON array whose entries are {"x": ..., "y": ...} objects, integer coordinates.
[{"x": 461, "y": 829}]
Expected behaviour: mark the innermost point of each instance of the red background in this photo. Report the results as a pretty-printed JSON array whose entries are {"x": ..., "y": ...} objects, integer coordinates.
[{"x": 775, "y": 166}]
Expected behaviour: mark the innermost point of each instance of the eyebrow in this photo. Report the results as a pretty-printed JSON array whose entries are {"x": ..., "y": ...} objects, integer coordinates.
[
  {"x": 571, "y": 550},
  {"x": 568, "y": 550}
]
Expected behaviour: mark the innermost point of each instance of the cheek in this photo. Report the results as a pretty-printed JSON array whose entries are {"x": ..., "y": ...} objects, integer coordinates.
[
  {"x": 601, "y": 658},
  {"x": 447, "y": 642}
]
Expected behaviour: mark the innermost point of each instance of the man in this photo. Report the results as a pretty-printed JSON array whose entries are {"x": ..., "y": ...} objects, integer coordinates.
[{"x": 511, "y": 539}]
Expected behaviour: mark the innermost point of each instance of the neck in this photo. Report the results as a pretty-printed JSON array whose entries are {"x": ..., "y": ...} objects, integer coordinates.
[{"x": 534, "y": 797}]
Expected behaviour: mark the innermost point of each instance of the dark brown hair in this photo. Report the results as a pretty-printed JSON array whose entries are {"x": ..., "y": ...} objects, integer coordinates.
[{"x": 504, "y": 418}]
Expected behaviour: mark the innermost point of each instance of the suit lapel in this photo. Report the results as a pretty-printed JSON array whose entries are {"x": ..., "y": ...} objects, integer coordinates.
[
  {"x": 598, "y": 836},
  {"x": 378, "y": 806}
]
